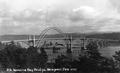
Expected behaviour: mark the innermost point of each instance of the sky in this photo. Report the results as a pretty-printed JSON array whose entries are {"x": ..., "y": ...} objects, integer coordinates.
[{"x": 33, "y": 16}]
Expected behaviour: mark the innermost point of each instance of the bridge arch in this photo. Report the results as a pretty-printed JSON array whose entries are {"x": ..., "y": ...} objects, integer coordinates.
[{"x": 43, "y": 34}]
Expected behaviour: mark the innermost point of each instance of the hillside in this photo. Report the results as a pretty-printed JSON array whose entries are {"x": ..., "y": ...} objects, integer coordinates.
[{"x": 113, "y": 36}]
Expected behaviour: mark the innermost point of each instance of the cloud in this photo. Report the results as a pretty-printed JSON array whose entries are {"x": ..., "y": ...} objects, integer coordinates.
[
  {"x": 111, "y": 28},
  {"x": 88, "y": 11},
  {"x": 35, "y": 21},
  {"x": 115, "y": 4},
  {"x": 28, "y": 16},
  {"x": 87, "y": 17},
  {"x": 23, "y": 23}
]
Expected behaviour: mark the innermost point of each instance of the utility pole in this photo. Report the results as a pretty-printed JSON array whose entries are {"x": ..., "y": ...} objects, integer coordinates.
[
  {"x": 83, "y": 46},
  {"x": 29, "y": 37},
  {"x": 69, "y": 44},
  {"x": 84, "y": 42},
  {"x": 34, "y": 41},
  {"x": 29, "y": 40}
]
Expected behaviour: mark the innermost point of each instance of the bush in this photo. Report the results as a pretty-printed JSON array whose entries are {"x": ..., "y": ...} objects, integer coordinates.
[
  {"x": 90, "y": 62},
  {"x": 13, "y": 56}
]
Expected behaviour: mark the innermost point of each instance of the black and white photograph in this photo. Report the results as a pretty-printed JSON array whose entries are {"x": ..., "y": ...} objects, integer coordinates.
[{"x": 59, "y": 36}]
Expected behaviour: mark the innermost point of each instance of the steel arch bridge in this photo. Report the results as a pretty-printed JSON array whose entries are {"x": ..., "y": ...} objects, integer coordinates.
[
  {"x": 37, "y": 42},
  {"x": 43, "y": 34}
]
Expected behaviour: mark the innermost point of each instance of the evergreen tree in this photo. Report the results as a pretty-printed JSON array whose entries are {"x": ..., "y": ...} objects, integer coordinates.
[
  {"x": 35, "y": 59},
  {"x": 93, "y": 62},
  {"x": 117, "y": 59}
]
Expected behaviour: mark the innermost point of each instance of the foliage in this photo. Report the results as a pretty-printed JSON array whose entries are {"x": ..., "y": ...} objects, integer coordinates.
[
  {"x": 93, "y": 62},
  {"x": 90, "y": 62},
  {"x": 62, "y": 61},
  {"x": 13, "y": 56},
  {"x": 1, "y": 46},
  {"x": 117, "y": 59},
  {"x": 35, "y": 59}
]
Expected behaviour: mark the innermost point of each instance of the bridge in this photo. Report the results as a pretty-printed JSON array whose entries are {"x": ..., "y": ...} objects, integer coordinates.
[{"x": 68, "y": 40}]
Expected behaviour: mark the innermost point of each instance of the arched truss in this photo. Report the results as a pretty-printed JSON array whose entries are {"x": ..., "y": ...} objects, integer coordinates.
[{"x": 43, "y": 34}]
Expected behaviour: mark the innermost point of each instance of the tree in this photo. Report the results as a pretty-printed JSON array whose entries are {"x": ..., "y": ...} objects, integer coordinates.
[
  {"x": 62, "y": 61},
  {"x": 12, "y": 56},
  {"x": 35, "y": 59},
  {"x": 1, "y": 46},
  {"x": 117, "y": 59},
  {"x": 92, "y": 50},
  {"x": 108, "y": 65},
  {"x": 93, "y": 62}
]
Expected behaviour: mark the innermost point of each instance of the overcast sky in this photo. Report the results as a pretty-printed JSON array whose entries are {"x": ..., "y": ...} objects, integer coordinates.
[{"x": 33, "y": 16}]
